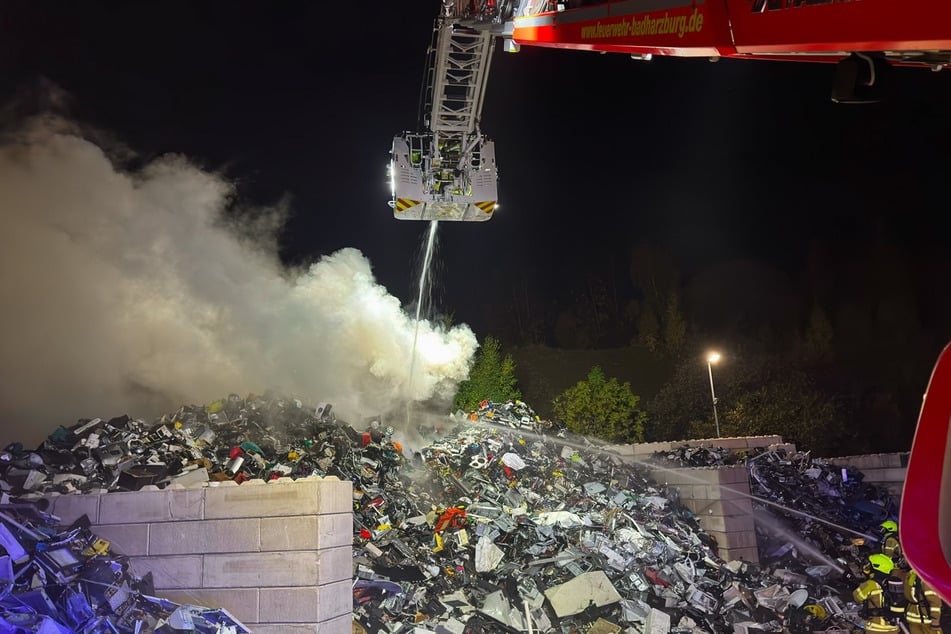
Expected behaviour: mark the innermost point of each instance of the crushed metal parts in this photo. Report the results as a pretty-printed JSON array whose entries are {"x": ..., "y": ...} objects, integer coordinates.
[{"x": 498, "y": 521}]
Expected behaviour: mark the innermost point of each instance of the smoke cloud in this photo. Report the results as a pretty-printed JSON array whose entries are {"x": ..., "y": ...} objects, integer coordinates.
[{"x": 133, "y": 291}]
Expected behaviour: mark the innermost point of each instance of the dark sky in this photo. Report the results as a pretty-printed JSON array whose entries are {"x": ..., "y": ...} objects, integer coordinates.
[{"x": 596, "y": 152}]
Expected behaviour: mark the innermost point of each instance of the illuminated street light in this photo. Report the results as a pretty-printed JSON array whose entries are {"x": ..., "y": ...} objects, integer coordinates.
[{"x": 712, "y": 358}]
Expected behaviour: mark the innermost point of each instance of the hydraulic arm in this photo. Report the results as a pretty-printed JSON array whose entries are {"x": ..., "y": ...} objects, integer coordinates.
[{"x": 446, "y": 170}]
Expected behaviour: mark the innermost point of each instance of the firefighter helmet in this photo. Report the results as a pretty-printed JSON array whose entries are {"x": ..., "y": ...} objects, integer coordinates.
[
  {"x": 889, "y": 526},
  {"x": 881, "y": 563}
]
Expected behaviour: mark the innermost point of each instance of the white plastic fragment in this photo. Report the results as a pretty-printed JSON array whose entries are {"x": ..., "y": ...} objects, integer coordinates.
[
  {"x": 575, "y": 596},
  {"x": 565, "y": 519},
  {"x": 658, "y": 622},
  {"x": 487, "y": 555},
  {"x": 513, "y": 461},
  {"x": 496, "y": 606}
]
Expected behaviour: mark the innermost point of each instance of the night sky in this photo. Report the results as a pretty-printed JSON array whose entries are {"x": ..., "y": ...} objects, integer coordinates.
[{"x": 713, "y": 162}]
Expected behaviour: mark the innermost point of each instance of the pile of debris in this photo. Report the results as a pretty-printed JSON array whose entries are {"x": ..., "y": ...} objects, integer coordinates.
[
  {"x": 499, "y": 521},
  {"x": 505, "y": 526},
  {"x": 230, "y": 439},
  {"x": 802, "y": 503},
  {"x": 56, "y": 580}
]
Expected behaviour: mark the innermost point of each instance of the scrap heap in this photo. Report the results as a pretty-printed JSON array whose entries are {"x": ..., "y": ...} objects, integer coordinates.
[
  {"x": 498, "y": 522},
  {"x": 507, "y": 524}
]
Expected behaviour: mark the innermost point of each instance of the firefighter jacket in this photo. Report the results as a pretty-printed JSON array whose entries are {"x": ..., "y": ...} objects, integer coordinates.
[
  {"x": 880, "y": 615},
  {"x": 924, "y": 604},
  {"x": 891, "y": 546}
]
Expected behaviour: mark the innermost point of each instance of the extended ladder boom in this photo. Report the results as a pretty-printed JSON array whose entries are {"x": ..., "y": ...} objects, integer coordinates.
[{"x": 447, "y": 170}]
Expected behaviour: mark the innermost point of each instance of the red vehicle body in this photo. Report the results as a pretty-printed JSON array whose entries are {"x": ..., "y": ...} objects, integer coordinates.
[
  {"x": 907, "y": 32},
  {"x": 925, "y": 517}
]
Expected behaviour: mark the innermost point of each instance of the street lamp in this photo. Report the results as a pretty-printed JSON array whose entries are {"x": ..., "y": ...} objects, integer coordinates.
[{"x": 712, "y": 358}]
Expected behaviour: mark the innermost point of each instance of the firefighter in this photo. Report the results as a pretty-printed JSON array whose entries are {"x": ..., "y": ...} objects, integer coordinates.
[
  {"x": 891, "y": 546},
  {"x": 924, "y": 606},
  {"x": 882, "y": 595}
]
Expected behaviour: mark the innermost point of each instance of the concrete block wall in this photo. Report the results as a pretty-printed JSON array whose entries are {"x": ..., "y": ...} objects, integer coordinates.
[
  {"x": 276, "y": 555},
  {"x": 886, "y": 470},
  {"x": 644, "y": 449},
  {"x": 720, "y": 498}
]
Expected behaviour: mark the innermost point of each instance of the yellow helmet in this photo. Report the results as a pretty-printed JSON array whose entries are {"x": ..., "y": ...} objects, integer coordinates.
[
  {"x": 881, "y": 563},
  {"x": 889, "y": 526}
]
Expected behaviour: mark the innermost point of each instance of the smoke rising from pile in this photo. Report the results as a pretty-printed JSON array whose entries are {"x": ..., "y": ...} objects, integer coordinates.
[{"x": 130, "y": 292}]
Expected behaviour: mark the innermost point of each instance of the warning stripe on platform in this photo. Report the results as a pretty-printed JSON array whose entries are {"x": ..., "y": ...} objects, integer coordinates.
[
  {"x": 402, "y": 204},
  {"x": 487, "y": 206}
]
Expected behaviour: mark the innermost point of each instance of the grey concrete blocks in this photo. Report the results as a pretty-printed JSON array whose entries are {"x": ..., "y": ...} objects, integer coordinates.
[
  {"x": 291, "y": 605},
  {"x": 727, "y": 524},
  {"x": 744, "y": 554},
  {"x": 70, "y": 508},
  {"x": 293, "y": 533},
  {"x": 243, "y": 601},
  {"x": 150, "y": 506},
  {"x": 736, "y": 506},
  {"x": 278, "y": 555},
  {"x": 306, "y": 604},
  {"x": 269, "y": 500},
  {"x": 720, "y": 498},
  {"x": 128, "y": 539},
  {"x": 737, "y": 539},
  {"x": 336, "y": 564},
  {"x": 208, "y": 536},
  {"x": 306, "y": 532},
  {"x": 170, "y": 572},
  {"x": 336, "y": 599},
  {"x": 250, "y": 570}
]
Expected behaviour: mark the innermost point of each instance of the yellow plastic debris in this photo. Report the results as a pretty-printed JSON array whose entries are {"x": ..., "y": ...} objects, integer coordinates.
[{"x": 98, "y": 547}]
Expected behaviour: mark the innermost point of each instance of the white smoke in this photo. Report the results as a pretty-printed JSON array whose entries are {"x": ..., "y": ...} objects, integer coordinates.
[{"x": 129, "y": 292}]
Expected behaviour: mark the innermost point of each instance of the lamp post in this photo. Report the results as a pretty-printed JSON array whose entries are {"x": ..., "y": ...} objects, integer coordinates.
[{"x": 712, "y": 358}]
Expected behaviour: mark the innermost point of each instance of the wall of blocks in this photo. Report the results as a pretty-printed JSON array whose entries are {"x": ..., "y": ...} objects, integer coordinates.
[{"x": 276, "y": 555}]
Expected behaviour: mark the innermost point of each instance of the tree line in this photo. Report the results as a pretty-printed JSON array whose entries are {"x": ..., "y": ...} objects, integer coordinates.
[{"x": 834, "y": 357}]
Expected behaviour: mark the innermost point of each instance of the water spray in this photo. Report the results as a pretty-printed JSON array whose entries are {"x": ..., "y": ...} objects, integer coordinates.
[
  {"x": 749, "y": 495},
  {"x": 423, "y": 286}
]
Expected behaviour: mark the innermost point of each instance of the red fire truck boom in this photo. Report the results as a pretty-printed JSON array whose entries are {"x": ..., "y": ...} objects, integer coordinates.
[{"x": 910, "y": 32}]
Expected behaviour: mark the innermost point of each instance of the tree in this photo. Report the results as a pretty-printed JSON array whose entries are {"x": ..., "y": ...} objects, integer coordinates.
[
  {"x": 682, "y": 404},
  {"x": 675, "y": 327},
  {"x": 492, "y": 378},
  {"x": 757, "y": 394},
  {"x": 661, "y": 324},
  {"x": 786, "y": 403},
  {"x": 817, "y": 343},
  {"x": 601, "y": 407}
]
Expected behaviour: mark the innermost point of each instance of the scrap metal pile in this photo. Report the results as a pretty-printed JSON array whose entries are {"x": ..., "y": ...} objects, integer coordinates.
[
  {"x": 496, "y": 522},
  {"x": 495, "y": 527},
  {"x": 802, "y": 503},
  {"x": 65, "y": 580}
]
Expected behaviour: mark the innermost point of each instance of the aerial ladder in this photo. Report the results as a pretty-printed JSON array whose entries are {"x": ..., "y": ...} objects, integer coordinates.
[{"x": 446, "y": 170}]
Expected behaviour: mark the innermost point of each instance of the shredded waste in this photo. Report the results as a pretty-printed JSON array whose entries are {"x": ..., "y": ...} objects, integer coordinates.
[{"x": 498, "y": 521}]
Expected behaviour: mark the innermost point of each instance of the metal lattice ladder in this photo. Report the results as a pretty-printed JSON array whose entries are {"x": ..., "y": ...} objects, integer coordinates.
[{"x": 458, "y": 74}]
